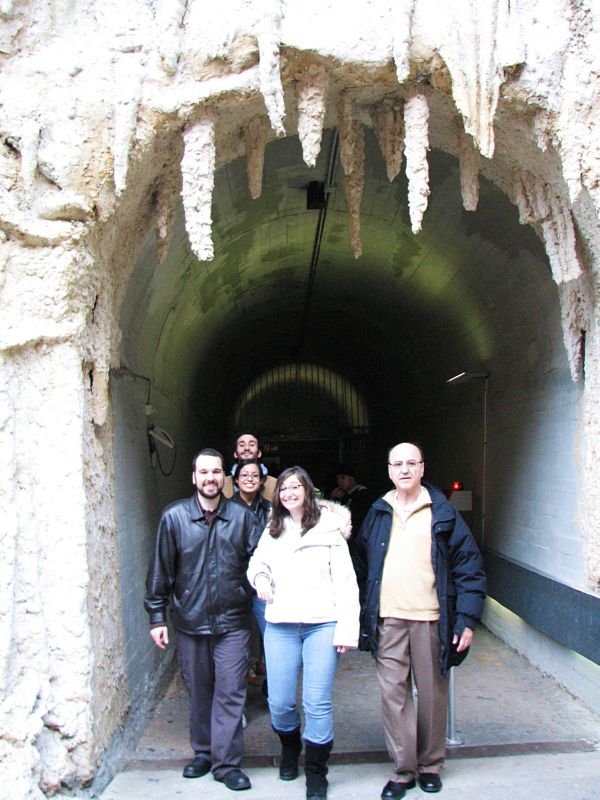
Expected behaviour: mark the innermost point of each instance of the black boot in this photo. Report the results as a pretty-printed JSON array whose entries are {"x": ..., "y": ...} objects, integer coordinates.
[
  {"x": 291, "y": 745},
  {"x": 315, "y": 769}
]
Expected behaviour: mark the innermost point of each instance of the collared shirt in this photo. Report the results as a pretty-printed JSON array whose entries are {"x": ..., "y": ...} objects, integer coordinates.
[{"x": 208, "y": 513}]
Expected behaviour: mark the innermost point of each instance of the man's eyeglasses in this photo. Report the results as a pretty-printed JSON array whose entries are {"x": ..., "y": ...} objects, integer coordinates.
[
  {"x": 293, "y": 488},
  {"x": 411, "y": 465}
]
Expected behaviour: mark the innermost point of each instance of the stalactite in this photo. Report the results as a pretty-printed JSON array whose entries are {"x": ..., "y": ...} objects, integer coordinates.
[
  {"x": 539, "y": 202},
  {"x": 198, "y": 178},
  {"x": 169, "y": 18},
  {"x": 388, "y": 124},
  {"x": 416, "y": 142},
  {"x": 480, "y": 41},
  {"x": 574, "y": 315},
  {"x": 255, "y": 139},
  {"x": 402, "y": 12},
  {"x": 352, "y": 157},
  {"x": 128, "y": 79},
  {"x": 571, "y": 159},
  {"x": 270, "y": 78},
  {"x": 541, "y": 128},
  {"x": 312, "y": 94},
  {"x": 167, "y": 197},
  {"x": 469, "y": 171}
]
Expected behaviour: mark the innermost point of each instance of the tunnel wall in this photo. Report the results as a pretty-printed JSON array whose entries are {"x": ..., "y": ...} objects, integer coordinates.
[
  {"x": 142, "y": 492},
  {"x": 531, "y": 486},
  {"x": 578, "y": 674},
  {"x": 532, "y": 475},
  {"x": 138, "y": 506}
]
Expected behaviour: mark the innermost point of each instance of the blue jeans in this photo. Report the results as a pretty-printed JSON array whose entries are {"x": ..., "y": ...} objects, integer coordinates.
[
  {"x": 258, "y": 609},
  {"x": 289, "y": 647}
]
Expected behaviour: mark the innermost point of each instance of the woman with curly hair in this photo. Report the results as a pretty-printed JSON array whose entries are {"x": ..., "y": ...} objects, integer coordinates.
[{"x": 303, "y": 570}]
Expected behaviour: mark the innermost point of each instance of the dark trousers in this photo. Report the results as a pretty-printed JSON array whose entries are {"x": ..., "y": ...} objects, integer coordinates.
[{"x": 214, "y": 670}]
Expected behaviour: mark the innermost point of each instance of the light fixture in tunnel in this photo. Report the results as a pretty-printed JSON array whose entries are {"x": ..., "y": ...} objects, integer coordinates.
[
  {"x": 457, "y": 486},
  {"x": 160, "y": 436},
  {"x": 469, "y": 375}
]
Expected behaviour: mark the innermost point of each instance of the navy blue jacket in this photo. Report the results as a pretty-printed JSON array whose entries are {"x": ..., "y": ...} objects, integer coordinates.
[{"x": 459, "y": 577}]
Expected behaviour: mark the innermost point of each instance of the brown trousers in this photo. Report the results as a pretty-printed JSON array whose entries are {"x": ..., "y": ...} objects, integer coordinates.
[{"x": 415, "y": 738}]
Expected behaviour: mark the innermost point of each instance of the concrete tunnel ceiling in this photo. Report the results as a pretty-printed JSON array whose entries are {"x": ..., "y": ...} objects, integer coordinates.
[{"x": 397, "y": 322}]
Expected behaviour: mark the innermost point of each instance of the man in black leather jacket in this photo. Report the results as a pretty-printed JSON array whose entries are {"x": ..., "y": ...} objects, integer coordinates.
[{"x": 203, "y": 546}]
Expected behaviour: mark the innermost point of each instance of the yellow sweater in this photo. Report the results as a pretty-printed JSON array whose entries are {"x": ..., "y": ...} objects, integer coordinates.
[{"x": 408, "y": 581}]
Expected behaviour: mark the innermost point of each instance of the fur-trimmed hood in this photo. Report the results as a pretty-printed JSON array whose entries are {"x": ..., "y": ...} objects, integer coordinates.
[{"x": 343, "y": 514}]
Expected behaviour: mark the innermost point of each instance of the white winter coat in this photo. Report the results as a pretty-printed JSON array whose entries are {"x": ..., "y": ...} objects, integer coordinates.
[{"x": 312, "y": 576}]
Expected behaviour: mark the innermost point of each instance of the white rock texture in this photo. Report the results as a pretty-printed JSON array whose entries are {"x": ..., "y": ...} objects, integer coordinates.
[{"x": 104, "y": 106}]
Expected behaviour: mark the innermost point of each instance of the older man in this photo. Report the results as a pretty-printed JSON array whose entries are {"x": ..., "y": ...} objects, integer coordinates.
[
  {"x": 422, "y": 591},
  {"x": 199, "y": 566}
]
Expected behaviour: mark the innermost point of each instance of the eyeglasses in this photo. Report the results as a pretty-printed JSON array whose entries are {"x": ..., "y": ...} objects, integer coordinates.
[
  {"x": 248, "y": 476},
  {"x": 294, "y": 487},
  {"x": 411, "y": 465}
]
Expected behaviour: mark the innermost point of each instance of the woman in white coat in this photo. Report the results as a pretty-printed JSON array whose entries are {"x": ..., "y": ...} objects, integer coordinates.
[{"x": 302, "y": 568}]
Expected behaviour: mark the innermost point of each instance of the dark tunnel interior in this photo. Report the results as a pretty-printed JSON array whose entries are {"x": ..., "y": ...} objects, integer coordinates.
[{"x": 336, "y": 359}]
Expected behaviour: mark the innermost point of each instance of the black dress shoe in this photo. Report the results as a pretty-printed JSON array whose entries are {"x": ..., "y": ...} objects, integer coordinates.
[
  {"x": 430, "y": 782},
  {"x": 394, "y": 790},
  {"x": 197, "y": 768},
  {"x": 235, "y": 779}
]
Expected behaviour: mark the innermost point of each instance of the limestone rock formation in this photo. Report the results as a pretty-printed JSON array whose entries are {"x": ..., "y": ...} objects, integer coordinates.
[{"x": 98, "y": 102}]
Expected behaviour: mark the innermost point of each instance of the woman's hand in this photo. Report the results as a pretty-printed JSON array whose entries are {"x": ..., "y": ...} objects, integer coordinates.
[
  {"x": 264, "y": 590},
  {"x": 344, "y": 648}
]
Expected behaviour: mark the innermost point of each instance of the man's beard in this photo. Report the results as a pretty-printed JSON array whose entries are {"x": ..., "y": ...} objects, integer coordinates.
[{"x": 202, "y": 493}]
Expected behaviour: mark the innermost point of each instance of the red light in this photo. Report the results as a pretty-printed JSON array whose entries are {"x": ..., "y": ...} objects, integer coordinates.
[{"x": 457, "y": 486}]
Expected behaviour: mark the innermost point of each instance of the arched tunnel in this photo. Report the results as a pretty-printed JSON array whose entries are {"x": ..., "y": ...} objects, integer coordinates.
[{"x": 333, "y": 358}]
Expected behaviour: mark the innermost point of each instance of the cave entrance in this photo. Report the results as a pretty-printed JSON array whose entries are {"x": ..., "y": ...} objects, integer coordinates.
[{"x": 210, "y": 347}]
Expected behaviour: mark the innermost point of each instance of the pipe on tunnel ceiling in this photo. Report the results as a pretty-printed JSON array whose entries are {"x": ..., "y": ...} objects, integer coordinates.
[{"x": 314, "y": 261}]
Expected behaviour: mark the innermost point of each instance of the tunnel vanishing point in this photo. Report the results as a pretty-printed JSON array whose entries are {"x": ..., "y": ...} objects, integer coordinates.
[{"x": 303, "y": 218}]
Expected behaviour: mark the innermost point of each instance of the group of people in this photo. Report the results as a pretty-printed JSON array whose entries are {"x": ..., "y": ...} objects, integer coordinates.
[{"x": 410, "y": 590}]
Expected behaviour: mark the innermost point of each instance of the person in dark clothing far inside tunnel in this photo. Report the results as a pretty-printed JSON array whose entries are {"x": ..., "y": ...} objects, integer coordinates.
[
  {"x": 203, "y": 547},
  {"x": 422, "y": 589},
  {"x": 349, "y": 492}
]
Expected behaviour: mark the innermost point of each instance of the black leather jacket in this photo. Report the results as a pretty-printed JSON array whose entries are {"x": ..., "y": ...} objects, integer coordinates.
[
  {"x": 200, "y": 569},
  {"x": 261, "y": 507}
]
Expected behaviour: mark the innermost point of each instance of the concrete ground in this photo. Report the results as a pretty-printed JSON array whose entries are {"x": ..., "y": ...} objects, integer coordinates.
[{"x": 521, "y": 736}]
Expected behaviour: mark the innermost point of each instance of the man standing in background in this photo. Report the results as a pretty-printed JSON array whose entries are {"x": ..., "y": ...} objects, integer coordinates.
[{"x": 248, "y": 446}]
